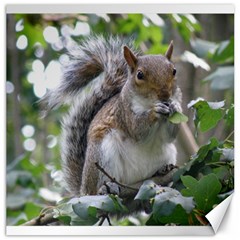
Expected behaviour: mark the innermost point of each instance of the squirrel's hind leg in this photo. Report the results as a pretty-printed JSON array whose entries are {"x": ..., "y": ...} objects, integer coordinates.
[{"x": 91, "y": 175}]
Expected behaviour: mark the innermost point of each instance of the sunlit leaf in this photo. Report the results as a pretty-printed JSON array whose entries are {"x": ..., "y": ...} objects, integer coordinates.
[
  {"x": 177, "y": 118},
  {"x": 196, "y": 61}
]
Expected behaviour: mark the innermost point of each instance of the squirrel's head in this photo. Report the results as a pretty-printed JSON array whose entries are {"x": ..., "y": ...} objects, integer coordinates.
[{"x": 152, "y": 75}]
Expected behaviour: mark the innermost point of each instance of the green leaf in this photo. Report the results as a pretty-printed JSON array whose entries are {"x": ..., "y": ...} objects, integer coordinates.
[
  {"x": 229, "y": 116},
  {"x": 32, "y": 210},
  {"x": 15, "y": 163},
  {"x": 119, "y": 207},
  {"x": 206, "y": 153},
  {"x": 86, "y": 207},
  {"x": 222, "y": 78},
  {"x": 186, "y": 25},
  {"x": 166, "y": 201},
  {"x": 34, "y": 35},
  {"x": 207, "y": 114},
  {"x": 66, "y": 220},
  {"x": 20, "y": 219},
  {"x": 204, "y": 191},
  {"x": 18, "y": 199},
  {"x": 225, "y": 51},
  {"x": 21, "y": 177},
  {"x": 65, "y": 213},
  {"x": 177, "y": 118},
  {"x": 147, "y": 190},
  {"x": 178, "y": 216},
  {"x": 205, "y": 149},
  {"x": 202, "y": 47},
  {"x": 76, "y": 221}
]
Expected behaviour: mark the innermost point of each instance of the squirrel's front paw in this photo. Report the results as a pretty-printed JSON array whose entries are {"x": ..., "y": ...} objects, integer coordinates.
[
  {"x": 162, "y": 108},
  {"x": 109, "y": 188},
  {"x": 174, "y": 107}
]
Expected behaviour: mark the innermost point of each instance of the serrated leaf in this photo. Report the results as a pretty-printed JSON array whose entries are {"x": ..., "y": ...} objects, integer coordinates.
[
  {"x": 166, "y": 201},
  {"x": 147, "y": 190},
  {"x": 177, "y": 118},
  {"x": 204, "y": 191},
  {"x": 207, "y": 115}
]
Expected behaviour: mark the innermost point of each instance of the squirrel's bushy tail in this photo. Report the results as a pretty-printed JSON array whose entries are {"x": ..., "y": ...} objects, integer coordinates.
[
  {"x": 93, "y": 56},
  {"x": 97, "y": 71}
]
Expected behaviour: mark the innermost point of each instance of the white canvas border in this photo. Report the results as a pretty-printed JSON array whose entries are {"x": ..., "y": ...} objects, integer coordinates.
[
  {"x": 121, "y": 8},
  {"x": 110, "y": 230},
  {"x": 209, "y": 8}
]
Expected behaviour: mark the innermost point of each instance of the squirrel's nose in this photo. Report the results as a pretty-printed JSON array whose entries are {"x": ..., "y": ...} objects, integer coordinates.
[{"x": 164, "y": 95}]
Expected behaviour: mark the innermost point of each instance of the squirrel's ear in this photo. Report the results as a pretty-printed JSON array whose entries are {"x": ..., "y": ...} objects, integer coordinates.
[
  {"x": 169, "y": 51},
  {"x": 129, "y": 57}
]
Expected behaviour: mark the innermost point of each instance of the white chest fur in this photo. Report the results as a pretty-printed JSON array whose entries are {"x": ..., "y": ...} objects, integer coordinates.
[{"x": 129, "y": 161}]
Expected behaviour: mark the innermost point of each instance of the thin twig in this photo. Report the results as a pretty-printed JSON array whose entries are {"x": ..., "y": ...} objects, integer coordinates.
[
  {"x": 228, "y": 136},
  {"x": 108, "y": 219},
  {"x": 102, "y": 220},
  {"x": 113, "y": 179}
]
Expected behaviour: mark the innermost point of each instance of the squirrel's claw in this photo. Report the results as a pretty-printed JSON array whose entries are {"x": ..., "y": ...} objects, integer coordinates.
[{"x": 109, "y": 188}]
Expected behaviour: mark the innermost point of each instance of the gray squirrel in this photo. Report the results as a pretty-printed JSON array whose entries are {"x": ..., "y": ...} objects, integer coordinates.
[{"x": 120, "y": 103}]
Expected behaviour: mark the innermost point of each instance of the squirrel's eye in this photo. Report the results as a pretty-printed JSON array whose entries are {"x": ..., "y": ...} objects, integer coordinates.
[
  {"x": 140, "y": 75},
  {"x": 174, "y": 71}
]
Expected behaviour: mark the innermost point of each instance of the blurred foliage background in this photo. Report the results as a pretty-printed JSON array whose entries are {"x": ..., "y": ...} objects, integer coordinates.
[{"x": 36, "y": 53}]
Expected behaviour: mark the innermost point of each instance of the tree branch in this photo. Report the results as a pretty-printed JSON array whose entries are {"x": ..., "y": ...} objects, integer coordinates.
[
  {"x": 113, "y": 179},
  {"x": 127, "y": 191},
  {"x": 42, "y": 220},
  {"x": 162, "y": 180},
  {"x": 131, "y": 190}
]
